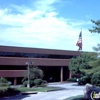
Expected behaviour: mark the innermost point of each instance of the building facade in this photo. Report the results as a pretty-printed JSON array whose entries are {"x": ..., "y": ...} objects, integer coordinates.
[{"x": 54, "y": 63}]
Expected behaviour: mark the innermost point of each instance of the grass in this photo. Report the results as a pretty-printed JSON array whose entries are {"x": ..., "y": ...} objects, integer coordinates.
[
  {"x": 78, "y": 97},
  {"x": 10, "y": 91},
  {"x": 38, "y": 89},
  {"x": 4, "y": 88}
]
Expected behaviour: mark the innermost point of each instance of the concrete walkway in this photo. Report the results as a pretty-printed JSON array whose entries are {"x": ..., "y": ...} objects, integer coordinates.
[{"x": 69, "y": 89}]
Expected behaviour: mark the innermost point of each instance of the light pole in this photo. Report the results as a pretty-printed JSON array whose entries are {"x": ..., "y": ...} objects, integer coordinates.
[{"x": 29, "y": 63}]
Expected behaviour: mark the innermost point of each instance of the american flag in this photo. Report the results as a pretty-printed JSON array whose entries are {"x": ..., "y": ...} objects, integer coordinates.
[{"x": 79, "y": 42}]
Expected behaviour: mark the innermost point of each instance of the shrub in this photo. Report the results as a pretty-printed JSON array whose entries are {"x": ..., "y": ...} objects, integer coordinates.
[
  {"x": 72, "y": 79},
  {"x": 3, "y": 80},
  {"x": 42, "y": 85},
  {"x": 35, "y": 73},
  {"x": 37, "y": 81},
  {"x": 44, "y": 82},
  {"x": 95, "y": 80},
  {"x": 12, "y": 91},
  {"x": 85, "y": 79},
  {"x": 4, "y": 84},
  {"x": 9, "y": 92},
  {"x": 26, "y": 82}
]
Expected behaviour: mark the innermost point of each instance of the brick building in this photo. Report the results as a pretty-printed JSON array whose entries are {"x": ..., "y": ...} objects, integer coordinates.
[{"x": 54, "y": 63}]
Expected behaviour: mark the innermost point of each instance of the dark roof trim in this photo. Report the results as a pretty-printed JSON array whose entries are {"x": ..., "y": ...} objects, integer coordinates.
[{"x": 37, "y": 50}]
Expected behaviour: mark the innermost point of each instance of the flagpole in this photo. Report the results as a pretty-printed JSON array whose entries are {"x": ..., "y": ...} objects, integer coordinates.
[
  {"x": 79, "y": 42},
  {"x": 82, "y": 40}
]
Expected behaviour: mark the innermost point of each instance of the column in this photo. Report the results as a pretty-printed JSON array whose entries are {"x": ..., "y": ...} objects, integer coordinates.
[
  {"x": 61, "y": 74},
  {"x": 15, "y": 80},
  {"x": 70, "y": 75}
]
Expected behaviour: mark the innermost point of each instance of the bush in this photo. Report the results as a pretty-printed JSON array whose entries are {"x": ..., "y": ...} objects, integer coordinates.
[
  {"x": 3, "y": 80},
  {"x": 95, "y": 80},
  {"x": 85, "y": 79},
  {"x": 44, "y": 82},
  {"x": 26, "y": 82},
  {"x": 35, "y": 73},
  {"x": 4, "y": 84},
  {"x": 72, "y": 79},
  {"x": 38, "y": 81},
  {"x": 9, "y": 92},
  {"x": 41, "y": 83}
]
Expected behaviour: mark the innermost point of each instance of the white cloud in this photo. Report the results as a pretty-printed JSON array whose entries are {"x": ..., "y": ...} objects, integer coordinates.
[
  {"x": 45, "y": 5},
  {"x": 42, "y": 28}
]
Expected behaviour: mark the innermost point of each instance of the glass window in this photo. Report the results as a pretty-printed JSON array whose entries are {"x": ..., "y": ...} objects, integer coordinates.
[{"x": 34, "y": 55}]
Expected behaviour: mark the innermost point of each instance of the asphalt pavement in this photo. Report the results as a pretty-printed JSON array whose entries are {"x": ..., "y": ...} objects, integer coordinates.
[{"x": 69, "y": 89}]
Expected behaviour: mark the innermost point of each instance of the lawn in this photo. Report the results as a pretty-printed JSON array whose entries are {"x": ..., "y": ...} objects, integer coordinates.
[
  {"x": 10, "y": 91},
  {"x": 38, "y": 89},
  {"x": 3, "y": 88},
  {"x": 78, "y": 97}
]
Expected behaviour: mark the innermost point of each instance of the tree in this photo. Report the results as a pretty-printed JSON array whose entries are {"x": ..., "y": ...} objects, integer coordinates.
[
  {"x": 87, "y": 64},
  {"x": 97, "y": 49},
  {"x": 96, "y": 28},
  {"x": 80, "y": 65},
  {"x": 34, "y": 73},
  {"x": 96, "y": 63}
]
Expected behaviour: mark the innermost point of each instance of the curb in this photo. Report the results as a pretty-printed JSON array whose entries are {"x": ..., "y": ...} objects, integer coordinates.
[{"x": 27, "y": 93}]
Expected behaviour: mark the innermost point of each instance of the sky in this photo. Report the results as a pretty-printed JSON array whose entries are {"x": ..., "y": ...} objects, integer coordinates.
[{"x": 50, "y": 24}]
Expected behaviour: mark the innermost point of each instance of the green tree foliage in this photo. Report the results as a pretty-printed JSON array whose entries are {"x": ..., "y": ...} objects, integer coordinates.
[
  {"x": 34, "y": 73},
  {"x": 97, "y": 49},
  {"x": 90, "y": 65},
  {"x": 3, "y": 80},
  {"x": 96, "y": 63},
  {"x": 96, "y": 28},
  {"x": 80, "y": 65},
  {"x": 87, "y": 65},
  {"x": 96, "y": 79}
]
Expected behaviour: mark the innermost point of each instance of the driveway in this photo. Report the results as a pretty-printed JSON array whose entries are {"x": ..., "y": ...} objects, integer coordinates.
[{"x": 69, "y": 89}]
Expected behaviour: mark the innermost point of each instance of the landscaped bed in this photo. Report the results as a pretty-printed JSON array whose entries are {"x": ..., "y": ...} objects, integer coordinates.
[
  {"x": 38, "y": 89},
  {"x": 79, "y": 97},
  {"x": 9, "y": 91}
]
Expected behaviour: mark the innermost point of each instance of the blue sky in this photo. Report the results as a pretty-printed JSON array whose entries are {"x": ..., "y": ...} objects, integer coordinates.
[{"x": 52, "y": 24}]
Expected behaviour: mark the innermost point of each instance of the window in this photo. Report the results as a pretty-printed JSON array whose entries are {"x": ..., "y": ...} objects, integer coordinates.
[{"x": 34, "y": 55}]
